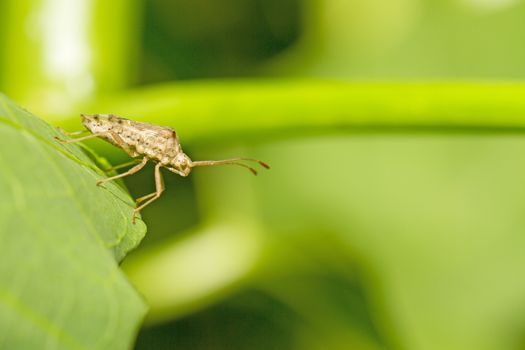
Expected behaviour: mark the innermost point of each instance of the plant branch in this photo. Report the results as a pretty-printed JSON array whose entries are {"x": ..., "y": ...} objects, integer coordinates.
[{"x": 218, "y": 111}]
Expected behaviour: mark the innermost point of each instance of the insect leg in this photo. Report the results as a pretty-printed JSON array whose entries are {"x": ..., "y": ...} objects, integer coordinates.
[
  {"x": 173, "y": 170},
  {"x": 79, "y": 139},
  {"x": 129, "y": 172},
  {"x": 71, "y": 133},
  {"x": 143, "y": 198},
  {"x": 159, "y": 186},
  {"x": 134, "y": 161}
]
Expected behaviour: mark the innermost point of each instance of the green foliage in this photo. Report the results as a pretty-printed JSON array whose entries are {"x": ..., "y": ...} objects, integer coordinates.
[{"x": 61, "y": 238}]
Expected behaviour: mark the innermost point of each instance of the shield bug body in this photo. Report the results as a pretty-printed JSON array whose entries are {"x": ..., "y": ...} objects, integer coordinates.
[{"x": 150, "y": 142}]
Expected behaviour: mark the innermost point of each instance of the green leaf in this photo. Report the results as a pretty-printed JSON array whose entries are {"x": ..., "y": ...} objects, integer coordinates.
[{"x": 61, "y": 238}]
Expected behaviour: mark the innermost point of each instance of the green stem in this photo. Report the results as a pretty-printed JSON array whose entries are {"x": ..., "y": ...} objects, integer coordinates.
[
  {"x": 226, "y": 111},
  {"x": 59, "y": 54}
]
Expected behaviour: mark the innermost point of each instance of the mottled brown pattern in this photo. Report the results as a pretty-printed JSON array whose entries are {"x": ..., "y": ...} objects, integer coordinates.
[{"x": 155, "y": 142}]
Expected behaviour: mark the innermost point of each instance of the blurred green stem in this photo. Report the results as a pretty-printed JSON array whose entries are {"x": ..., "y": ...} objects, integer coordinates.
[
  {"x": 185, "y": 274},
  {"x": 229, "y": 111},
  {"x": 59, "y": 53}
]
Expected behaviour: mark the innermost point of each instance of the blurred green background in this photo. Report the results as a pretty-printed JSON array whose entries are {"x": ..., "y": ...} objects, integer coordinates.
[{"x": 388, "y": 237}]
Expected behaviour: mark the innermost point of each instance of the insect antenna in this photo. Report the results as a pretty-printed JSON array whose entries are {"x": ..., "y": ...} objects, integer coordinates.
[{"x": 233, "y": 161}]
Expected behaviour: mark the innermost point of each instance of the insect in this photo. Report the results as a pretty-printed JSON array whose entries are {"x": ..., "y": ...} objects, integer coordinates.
[{"x": 150, "y": 142}]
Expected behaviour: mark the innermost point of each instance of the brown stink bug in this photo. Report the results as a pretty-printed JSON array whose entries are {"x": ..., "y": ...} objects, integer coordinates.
[{"x": 150, "y": 142}]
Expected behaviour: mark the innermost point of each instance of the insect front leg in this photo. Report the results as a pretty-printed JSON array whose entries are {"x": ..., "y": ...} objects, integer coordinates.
[
  {"x": 178, "y": 172},
  {"x": 129, "y": 172},
  {"x": 159, "y": 186}
]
